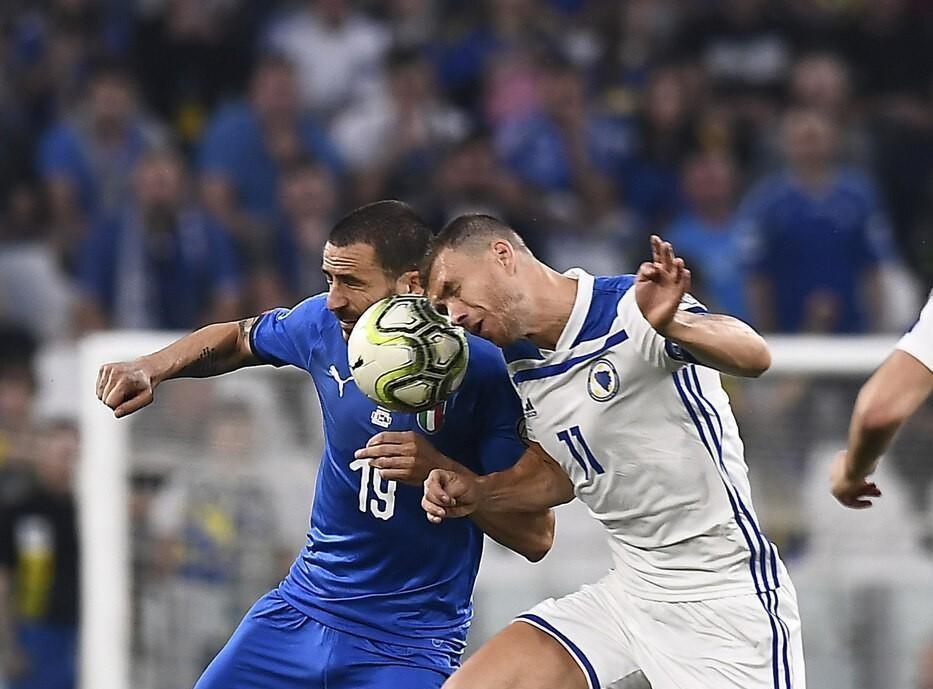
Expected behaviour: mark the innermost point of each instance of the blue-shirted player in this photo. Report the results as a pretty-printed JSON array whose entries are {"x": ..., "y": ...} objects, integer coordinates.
[{"x": 379, "y": 598}]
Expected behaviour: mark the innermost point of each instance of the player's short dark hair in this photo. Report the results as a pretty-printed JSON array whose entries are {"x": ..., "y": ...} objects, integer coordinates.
[
  {"x": 472, "y": 231},
  {"x": 399, "y": 236}
]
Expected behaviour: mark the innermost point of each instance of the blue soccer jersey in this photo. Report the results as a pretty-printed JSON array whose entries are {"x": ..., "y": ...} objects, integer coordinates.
[{"x": 373, "y": 565}]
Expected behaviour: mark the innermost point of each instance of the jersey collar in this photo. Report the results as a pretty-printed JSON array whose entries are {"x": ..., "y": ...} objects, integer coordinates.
[{"x": 581, "y": 306}]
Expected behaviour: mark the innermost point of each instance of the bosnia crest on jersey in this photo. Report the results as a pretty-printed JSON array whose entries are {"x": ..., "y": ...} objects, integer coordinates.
[
  {"x": 430, "y": 421},
  {"x": 602, "y": 381}
]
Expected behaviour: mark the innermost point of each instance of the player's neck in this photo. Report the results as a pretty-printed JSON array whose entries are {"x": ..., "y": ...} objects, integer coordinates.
[{"x": 552, "y": 299}]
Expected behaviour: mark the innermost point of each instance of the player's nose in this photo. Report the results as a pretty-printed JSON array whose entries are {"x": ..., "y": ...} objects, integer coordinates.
[
  {"x": 457, "y": 313},
  {"x": 336, "y": 299}
]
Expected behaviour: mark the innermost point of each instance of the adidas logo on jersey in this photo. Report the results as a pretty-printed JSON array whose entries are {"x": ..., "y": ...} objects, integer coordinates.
[{"x": 530, "y": 411}]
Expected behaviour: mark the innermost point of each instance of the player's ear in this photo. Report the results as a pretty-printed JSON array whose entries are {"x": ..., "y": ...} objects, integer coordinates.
[
  {"x": 409, "y": 283},
  {"x": 504, "y": 254}
]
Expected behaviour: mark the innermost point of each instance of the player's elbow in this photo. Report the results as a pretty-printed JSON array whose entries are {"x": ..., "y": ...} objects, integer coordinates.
[
  {"x": 542, "y": 539},
  {"x": 757, "y": 359},
  {"x": 761, "y": 362},
  {"x": 876, "y": 419}
]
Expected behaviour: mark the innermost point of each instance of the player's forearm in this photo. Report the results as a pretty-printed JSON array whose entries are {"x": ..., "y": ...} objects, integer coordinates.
[
  {"x": 210, "y": 351},
  {"x": 530, "y": 534},
  {"x": 885, "y": 402},
  {"x": 535, "y": 483},
  {"x": 721, "y": 342}
]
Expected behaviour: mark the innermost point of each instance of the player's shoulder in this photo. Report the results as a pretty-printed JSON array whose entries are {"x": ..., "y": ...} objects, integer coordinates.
[
  {"x": 613, "y": 284},
  {"x": 608, "y": 291},
  {"x": 308, "y": 312},
  {"x": 484, "y": 356}
]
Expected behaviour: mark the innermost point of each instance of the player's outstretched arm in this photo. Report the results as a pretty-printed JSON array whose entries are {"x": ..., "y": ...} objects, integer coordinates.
[
  {"x": 885, "y": 402},
  {"x": 535, "y": 483},
  {"x": 128, "y": 386},
  {"x": 721, "y": 342}
]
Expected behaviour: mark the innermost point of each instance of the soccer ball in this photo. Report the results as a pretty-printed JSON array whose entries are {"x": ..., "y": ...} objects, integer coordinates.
[{"x": 405, "y": 356}]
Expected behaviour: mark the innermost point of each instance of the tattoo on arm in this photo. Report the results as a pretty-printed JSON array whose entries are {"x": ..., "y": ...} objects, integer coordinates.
[{"x": 205, "y": 365}]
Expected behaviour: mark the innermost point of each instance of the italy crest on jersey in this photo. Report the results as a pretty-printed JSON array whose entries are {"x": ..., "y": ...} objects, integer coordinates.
[
  {"x": 430, "y": 421},
  {"x": 602, "y": 381}
]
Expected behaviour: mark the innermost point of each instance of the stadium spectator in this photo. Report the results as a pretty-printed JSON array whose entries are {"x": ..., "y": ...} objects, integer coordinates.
[
  {"x": 745, "y": 48},
  {"x": 706, "y": 233},
  {"x": 488, "y": 57},
  {"x": 817, "y": 236},
  {"x": 891, "y": 48},
  {"x": 17, "y": 416},
  {"x": 413, "y": 23},
  {"x": 291, "y": 269},
  {"x": 637, "y": 40},
  {"x": 822, "y": 81},
  {"x": 559, "y": 149},
  {"x": 85, "y": 160},
  {"x": 189, "y": 55},
  {"x": 160, "y": 262},
  {"x": 392, "y": 143},
  {"x": 337, "y": 52},
  {"x": 657, "y": 139},
  {"x": 246, "y": 146},
  {"x": 471, "y": 179},
  {"x": 39, "y": 570}
]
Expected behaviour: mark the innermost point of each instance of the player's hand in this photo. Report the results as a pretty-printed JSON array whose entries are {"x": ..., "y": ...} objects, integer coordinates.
[
  {"x": 851, "y": 492},
  {"x": 661, "y": 284},
  {"x": 405, "y": 456},
  {"x": 125, "y": 386},
  {"x": 450, "y": 494}
]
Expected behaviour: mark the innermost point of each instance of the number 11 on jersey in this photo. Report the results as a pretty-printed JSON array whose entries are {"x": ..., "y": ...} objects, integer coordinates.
[{"x": 577, "y": 439}]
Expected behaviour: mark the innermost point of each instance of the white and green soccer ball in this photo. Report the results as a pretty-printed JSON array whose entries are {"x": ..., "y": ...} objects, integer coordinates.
[{"x": 405, "y": 356}]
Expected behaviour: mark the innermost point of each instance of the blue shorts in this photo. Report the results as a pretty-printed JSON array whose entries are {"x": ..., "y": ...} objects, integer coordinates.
[{"x": 279, "y": 647}]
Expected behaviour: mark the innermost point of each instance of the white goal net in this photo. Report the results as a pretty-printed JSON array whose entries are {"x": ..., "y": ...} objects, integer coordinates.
[{"x": 194, "y": 507}]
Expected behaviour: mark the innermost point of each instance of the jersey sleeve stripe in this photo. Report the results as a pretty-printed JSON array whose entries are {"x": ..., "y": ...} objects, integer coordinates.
[
  {"x": 564, "y": 366},
  {"x": 569, "y": 646}
]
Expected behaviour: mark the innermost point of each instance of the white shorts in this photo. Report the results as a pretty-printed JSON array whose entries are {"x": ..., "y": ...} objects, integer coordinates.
[{"x": 739, "y": 642}]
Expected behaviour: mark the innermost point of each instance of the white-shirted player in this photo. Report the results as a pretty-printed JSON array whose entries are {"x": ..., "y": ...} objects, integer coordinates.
[
  {"x": 619, "y": 378},
  {"x": 885, "y": 402}
]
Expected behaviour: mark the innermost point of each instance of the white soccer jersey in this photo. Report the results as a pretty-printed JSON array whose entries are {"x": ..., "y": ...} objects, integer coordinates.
[
  {"x": 918, "y": 342},
  {"x": 649, "y": 440}
]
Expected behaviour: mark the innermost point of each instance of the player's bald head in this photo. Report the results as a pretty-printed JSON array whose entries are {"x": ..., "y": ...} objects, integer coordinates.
[{"x": 472, "y": 233}]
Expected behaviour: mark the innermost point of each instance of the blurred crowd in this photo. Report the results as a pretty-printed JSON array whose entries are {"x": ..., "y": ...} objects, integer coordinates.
[
  {"x": 170, "y": 162},
  {"x": 167, "y": 163}
]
